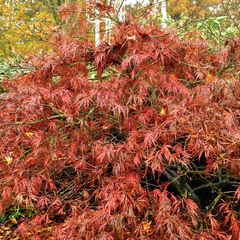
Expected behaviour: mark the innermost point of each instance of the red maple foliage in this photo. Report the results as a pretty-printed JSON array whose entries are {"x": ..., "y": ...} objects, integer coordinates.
[{"x": 145, "y": 147}]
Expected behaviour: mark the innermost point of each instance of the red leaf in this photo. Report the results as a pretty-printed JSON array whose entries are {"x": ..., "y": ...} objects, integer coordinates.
[
  {"x": 137, "y": 160},
  {"x": 165, "y": 151},
  {"x": 30, "y": 160}
]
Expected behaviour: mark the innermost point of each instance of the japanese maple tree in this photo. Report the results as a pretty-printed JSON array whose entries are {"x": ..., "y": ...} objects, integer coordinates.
[{"x": 137, "y": 138}]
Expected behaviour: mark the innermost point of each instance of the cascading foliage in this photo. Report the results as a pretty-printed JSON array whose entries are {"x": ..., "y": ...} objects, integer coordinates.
[{"x": 137, "y": 138}]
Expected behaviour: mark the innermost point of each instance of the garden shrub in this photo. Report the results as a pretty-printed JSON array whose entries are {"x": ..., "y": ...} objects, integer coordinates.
[{"x": 145, "y": 148}]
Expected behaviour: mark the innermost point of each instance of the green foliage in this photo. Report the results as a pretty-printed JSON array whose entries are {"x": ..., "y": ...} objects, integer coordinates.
[
  {"x": 15, "y": 212},
  {"x": 9, "y": 69},
  {"x": 6, "y": 69},
  {"x": 3, "y": 218},
  {"x": 18, "y": 212},
  {"x": 212, "y": 28}
]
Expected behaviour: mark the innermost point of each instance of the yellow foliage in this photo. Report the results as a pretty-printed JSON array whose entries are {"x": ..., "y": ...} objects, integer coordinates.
[
  {"x": 8, "y": 159},
  {"x": 14, "y": 221},
  {"x": 190, "y": 8},
  {"x": 23, "y": 26},
  {"x": 29, "y": 134},
  {"x": 146, "y": 225}
]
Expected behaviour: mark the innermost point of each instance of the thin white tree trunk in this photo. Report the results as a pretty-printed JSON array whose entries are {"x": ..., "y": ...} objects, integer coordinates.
[
  {"x": 164, "y": 13},
  {"x": 97, "y": 29}
]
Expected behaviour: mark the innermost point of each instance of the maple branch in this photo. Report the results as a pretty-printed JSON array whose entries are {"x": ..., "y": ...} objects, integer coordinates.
[
  {"x": 217, "y": 185},
  {"x": 53, "y": 117},
  {"x": 145, "y": 8},
  {"x": 233, "y": 92},
  {"x": 120, "y": 7},
  {"x": 188, "y": 64},
  {"x": 152, "y": 63},
  {"x": 157, "y": 36},
  {"x": 181, "y": 186},
  {"x": 200, "y": 173},
  {"x": 210, "y": 30},
  {"x": 113, "y": 70},
  {"x": 190, "y": 84},
  {"x": 215, "y": 201},
  {"x": 112, "y": 18},
  {"x": 34, "y": 122}
]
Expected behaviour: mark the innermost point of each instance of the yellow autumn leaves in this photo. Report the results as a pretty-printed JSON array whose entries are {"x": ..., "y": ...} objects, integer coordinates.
[
  {"x": 162, "y": 111},
  {"x": 189, "y": 8},
  {"x": 23, "y": 26},
  {"x": 146, "y": 225},
  {"x": 29, "y": 134},
  {"x": 8, "y": 159}
]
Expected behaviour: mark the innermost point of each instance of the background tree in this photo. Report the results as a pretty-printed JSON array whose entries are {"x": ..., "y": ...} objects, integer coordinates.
[
  {"x": 25, "y": 25},
  {"x": 191, "y": 9}
]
